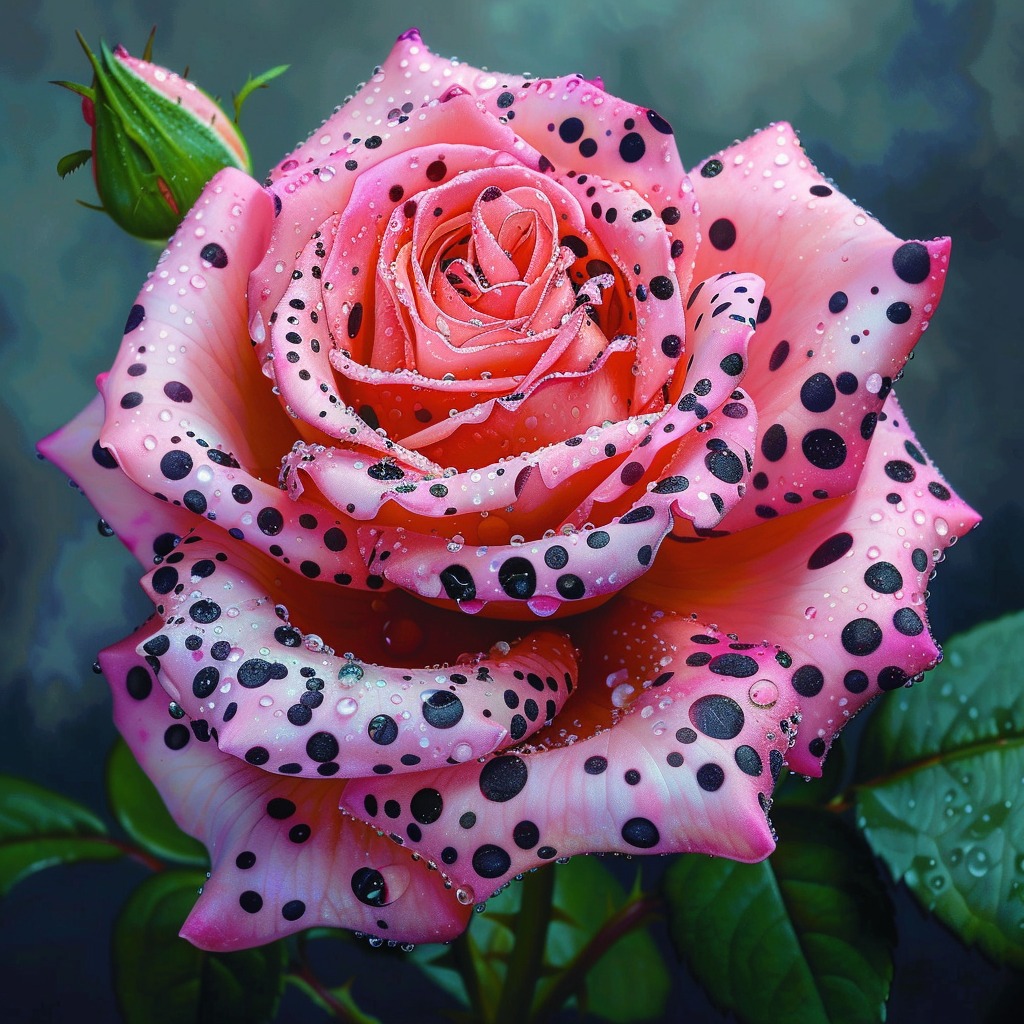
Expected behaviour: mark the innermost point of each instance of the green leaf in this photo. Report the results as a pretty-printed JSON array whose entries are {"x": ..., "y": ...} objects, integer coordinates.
[
  {"x": 40, "y": 828},
  {"x": 142, "y": 814},
  {"x": 72, "y": 161},
  {"x": 161, "y": 979},
  {"x": 941, "y": 799},
  {"x": 586, "y": 896},
  {"x": 805, "y": 936},
  {"x": 259, "y": 82}
]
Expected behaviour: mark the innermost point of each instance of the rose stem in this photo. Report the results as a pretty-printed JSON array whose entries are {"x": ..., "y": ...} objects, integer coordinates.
[
  {"x": 635, "y": 914},
  {"x": 528, "y": 953}
]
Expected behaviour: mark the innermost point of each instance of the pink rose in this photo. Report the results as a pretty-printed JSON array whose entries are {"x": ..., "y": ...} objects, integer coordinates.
[{"x": 513, "y": 495}]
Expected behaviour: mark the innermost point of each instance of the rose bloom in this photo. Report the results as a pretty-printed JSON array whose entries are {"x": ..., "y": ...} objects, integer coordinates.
[{"x": 506, "y": 493}]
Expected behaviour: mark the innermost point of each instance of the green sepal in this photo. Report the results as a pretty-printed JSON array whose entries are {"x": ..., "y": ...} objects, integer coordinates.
[
  {"x": 70, "y": 163},
  {"x": 252, "y": 83}
]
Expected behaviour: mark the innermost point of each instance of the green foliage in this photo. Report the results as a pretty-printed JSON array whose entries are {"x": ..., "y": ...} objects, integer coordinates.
[
  {"x": 258, "y": 82},
  {"x": 162, "y": 979},
  {"x": 805, "y": 936},
  {"x": 142, "y": 814},
  {"x": 40, "y": 828},
  {"x": 941, "y": 794},
  {"x": 586, "y": 897}
]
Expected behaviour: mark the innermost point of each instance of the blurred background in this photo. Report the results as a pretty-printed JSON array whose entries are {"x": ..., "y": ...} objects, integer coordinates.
[{"x": 913, "y": 108}]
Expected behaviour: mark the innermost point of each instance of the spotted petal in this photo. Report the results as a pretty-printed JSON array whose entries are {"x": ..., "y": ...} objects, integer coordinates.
[
  {"x": 689, "y": 766},
  {"x": 841, "y": 586},
  {"x": 845, "y": 302},
  {"x": 282, "y": 857},
  {"x": 234, "y": 663}
]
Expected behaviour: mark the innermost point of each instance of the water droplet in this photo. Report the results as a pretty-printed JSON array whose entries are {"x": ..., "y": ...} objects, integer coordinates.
[
  {"x": 763, "y": 693},
  {"x": 347, "y": 706},
  {"x": 978, "y": 862}
]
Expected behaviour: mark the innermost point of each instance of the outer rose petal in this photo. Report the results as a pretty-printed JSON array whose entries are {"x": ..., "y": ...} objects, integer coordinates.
[
  {"x": 282, "y": 857},
  {"x": 144, "y": 524},
  {"x": 845, "y": 303},
  {"x": 183, "y": 417},
  {"x": 841, "y": 586},
  {"x": 246, "y": 676},
  {"x": 689, "y": 767}
]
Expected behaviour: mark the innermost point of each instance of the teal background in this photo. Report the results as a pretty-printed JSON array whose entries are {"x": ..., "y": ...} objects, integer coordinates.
[{"x": 913, "y": 108}]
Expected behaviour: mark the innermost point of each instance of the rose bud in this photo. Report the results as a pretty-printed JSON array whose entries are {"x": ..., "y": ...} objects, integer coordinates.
[{"x": 156, "y": 141}]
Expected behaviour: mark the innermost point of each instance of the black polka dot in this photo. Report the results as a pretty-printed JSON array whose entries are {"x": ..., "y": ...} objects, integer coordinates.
[
  {"x": 135, "y": 317},
  {"x": 251, "y": 901},
  {"x": 571, "y": 130},
  {"x": 739, "y": 666},
  {"x": 205, "y": 682},
  {"x": 749, "y": 760},
  {"x": 919, "y": 558},
  {"x": 503, "y": 778},
  {"x": 818, "y": 393},
  {"x": 518, "y": 578},
  {"x": 632, "y": 147},
  {"x": 369, "y": 887},
  {"x": 270, "y": 521},
  {"x": 911, "y": 262},
  {"x": 900, "y": 471},
  {"x": 722, "y": 234},
  {"x": 808, "y": 680},
  {"x": 824, "y": 448},
  {"x": 838, "y": 302},
  {"x": 204, "y": 612},
  {"x": 215, "y": 255},
  {"x": 641, "y": 833},
  {"x": 883, "y": 578},
  {"x": 178, "y": 392},
  {"x": 458, "y": 583},
  {"x": 861, "y": 637},
  {"x": 908, "y": 622},
  {"x": 898, "y": 313},
  {"x": 846, "y": 383},
  {"x": 662, "y": 287},
  {"x": 176, "y": 464},
  {"x": 556, "y": 557},
  {"x": 595, "y": 765},
  {"x": 830, "y": 551},
  {"x": 717, "y": 716},
  {"x": 773, "y": 444},
  {"x": 176, "y": 736},
  {"x": 710, "y": 777},
  {"x": 442, "y": 709},
  {"x": 293, "y": 910},
  {"x": 382, "y": 729},
  {"x": 686, "y": 735},
  {"x": 426, "y": 806},
  {"x": 526, "y": 835},
  {"x": 855, "y": 681},
  {"x": 490, "y": 861},
  {"x": 892, "y": 678},
  {"x": 779, "y": 355},
  {"x": 322, "y": 746}
]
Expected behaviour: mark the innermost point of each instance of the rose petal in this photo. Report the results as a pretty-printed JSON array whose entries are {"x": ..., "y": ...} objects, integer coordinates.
[
  {"x": 269, "y": 698},
  {"x": 689, "y": 767},
  {"x": 282, "y": 857},
  {"x": 703, "y": 478},
  {"x": 845, "y": 303},
  {"x": 840, "y": 586},
  {"x": 188, "y": 427},
  {"x": 144, "y": 524}
]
